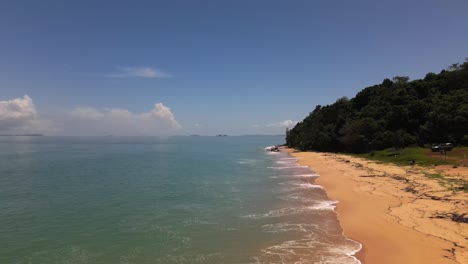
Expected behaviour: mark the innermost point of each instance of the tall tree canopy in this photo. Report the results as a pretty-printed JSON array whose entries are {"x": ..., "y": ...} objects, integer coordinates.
[{"x": 395, "y": 113}]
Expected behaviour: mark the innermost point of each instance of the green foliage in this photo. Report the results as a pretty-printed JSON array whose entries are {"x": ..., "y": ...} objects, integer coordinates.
[
  {"x": 434, "y": 175},
  {"x": 393, "y": 114},
  {"x": 405, "y": 156},
  {"x": 464, "y": 187}
]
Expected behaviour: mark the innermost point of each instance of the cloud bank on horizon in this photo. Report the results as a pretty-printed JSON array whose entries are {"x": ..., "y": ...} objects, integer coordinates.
[
  {"x": 115, "y": 121},
  {"x": 283, "y": 124},
  {"x": 19, "y": 116}
]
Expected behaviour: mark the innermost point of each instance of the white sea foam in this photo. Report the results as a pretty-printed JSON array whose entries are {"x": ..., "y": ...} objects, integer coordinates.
[
  {"x": 352, "y": 252},
  {"x": 288, "y": 167},
  {"x": 246, "y": 161},
  {"x": 298, "y": 198},
  {"x": 310, "y": 175},
  {"x": 287, "y": 158},
  {"x": 305, "y": 250},
  {"x": 318, "y": 206},
  {"x": 323, "y": 205},
  {"x": 307, "y": 175},
  {"x": 274, "y": 213},
  {"x": 351, "y": 249},
  {"x": 294, "y": 182},
  {"x": 288, "y": 227},
  {"x": 297, "y": 186},
  {"x": 309, "y": 185},
  {"x": 285, "y": 161}
]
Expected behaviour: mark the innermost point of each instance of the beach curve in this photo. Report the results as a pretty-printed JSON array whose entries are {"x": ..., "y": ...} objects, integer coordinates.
[{"x": 398, "y": 214}]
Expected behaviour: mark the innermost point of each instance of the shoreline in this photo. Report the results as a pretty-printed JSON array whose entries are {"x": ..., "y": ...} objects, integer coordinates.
[{"x": 396, "y": 213}]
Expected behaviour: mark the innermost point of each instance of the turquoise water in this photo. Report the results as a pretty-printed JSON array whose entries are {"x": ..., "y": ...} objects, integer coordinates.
[{"x": 116, "y": 200}]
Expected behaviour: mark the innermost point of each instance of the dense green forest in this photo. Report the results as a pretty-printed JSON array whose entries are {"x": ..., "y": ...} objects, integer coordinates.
[{"x": 395, "y": 113}]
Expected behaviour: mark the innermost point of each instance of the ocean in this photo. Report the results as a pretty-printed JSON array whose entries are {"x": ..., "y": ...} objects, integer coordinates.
[{"x": 143, "y": 200}]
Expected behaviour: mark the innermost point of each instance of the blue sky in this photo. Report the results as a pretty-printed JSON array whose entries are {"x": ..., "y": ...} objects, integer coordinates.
[{"x": 230, "y": 67}]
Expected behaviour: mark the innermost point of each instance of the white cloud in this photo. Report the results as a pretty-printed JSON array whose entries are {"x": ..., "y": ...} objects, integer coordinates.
[
  {"x": 91, "y": 121},
  {"x": 87, "y": 112},
  {"x": 286, "y": 123},
  {"x": 164, "y": 113},
  {"x": 140, "y": 72},
  {"x": 272, "y": 128},
  {"x": 19, "y": 116},
  {"x": 17, "y": 113}
]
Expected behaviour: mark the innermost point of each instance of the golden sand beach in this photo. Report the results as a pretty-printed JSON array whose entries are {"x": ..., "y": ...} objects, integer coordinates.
[{"x": 399, "y": 214}]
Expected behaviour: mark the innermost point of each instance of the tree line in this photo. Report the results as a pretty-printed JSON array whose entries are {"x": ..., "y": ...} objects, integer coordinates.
[{"x": 396, "y": 113}]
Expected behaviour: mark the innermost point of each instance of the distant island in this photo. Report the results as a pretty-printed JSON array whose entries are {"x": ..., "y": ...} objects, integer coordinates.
[
  {"x": 396, "y": 113},
  {"x": 23, "y": 135}
]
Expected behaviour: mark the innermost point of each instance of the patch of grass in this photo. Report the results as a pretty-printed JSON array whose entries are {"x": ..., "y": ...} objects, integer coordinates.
[
  {"x": 434, "y": 175},
  {"x": 441, "y": 179},
  {"x": 458, "y": 185},
  {"x": 464, "y": 187},
  {"x": 405, "y": 156},
  {"x": 425, "y": 157},
  {"x": 449, "y": 183}
]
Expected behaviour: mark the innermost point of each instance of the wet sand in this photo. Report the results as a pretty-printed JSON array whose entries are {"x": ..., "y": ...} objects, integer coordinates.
[{"x": 398, "y": 213}]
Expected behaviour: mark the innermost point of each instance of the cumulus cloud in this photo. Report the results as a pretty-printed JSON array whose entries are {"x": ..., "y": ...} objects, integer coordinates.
[
  {"x": 92, "y": 121},
  {"x": 140, "y": 72},
  {"x": 162, "y": 112},
  {"x": 283, "y": 124},
  {"x": 17, "y": 113},
  {"x": 19, "y": 116}
]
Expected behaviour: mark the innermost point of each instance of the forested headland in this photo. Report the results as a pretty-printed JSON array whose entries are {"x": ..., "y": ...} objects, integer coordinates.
[{"x": 396, "y": 113}]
